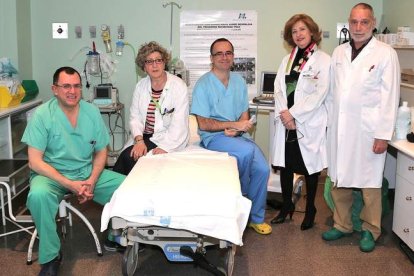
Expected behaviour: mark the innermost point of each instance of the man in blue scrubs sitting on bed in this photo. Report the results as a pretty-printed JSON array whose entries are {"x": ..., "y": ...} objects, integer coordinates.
[
  {"x": 221, "y": 105},
  {"x": 67, "y": 141}
]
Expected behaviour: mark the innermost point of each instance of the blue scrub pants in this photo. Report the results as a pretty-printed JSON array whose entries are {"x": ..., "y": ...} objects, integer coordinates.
[
  {"x": 253, "y": 170},
  {"x": 43, "y": 202}
]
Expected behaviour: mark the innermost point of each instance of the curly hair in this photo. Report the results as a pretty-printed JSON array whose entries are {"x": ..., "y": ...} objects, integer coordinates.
[
  {"x": 308, "y": 21},
  {"x": 149, "y": 48}
]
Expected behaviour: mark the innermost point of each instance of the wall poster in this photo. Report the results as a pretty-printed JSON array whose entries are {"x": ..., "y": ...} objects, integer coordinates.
[{"x": 198, "y": 29}]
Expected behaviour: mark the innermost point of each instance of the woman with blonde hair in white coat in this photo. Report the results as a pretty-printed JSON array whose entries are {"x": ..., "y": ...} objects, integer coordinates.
[{"x": 301, "y": 85}]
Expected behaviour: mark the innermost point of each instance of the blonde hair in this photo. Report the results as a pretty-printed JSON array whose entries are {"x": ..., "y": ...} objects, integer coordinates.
[{"x": 308, "y": 21}]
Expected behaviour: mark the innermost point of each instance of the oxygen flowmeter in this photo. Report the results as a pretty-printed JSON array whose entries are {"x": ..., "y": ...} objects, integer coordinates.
[{"x": 106, "y": 37}]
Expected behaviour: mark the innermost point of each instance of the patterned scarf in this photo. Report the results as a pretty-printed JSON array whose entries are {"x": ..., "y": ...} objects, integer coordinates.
[
  {"x": 291, "y": 86},
  {"x": 306, "y": 55}
]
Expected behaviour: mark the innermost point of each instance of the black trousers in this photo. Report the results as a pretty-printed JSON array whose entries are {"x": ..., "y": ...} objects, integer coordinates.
[{"x": 125, "y": 162}]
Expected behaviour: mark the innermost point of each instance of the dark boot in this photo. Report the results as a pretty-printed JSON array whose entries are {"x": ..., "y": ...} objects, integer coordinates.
[
  {"x": 311, "y": 187},
  {"x": 286, "y": 182}
]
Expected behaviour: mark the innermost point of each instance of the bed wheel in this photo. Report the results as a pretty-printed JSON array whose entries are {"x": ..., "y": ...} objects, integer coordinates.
[
  {"x": 229, "y": 254},
  {"x": 130, "y": 260}
]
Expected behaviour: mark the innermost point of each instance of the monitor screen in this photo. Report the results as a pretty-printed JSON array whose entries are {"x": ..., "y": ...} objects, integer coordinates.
[
  {"x": 267, "y": 82},
  {"x": 102, "y": 92}
]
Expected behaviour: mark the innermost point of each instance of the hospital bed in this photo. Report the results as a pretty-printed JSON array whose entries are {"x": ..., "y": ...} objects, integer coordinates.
[{"x": 181, "y": 202}]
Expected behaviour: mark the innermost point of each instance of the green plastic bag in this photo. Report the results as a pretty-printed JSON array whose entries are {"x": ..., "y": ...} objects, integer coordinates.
[{"x": 327, "y": 193}]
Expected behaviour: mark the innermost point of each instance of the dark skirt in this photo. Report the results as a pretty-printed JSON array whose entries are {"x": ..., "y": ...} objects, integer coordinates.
[
  {"x": 125, "y": 162},
  {"x": 293, "y": 156}
]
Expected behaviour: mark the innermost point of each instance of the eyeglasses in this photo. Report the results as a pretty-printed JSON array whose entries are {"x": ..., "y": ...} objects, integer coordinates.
[
  {"x": 223, "y": 54},
  {"x": 152, "y": 61},
  {"x": 67, "y": 86},
  {"x": 295, "y": 135}
]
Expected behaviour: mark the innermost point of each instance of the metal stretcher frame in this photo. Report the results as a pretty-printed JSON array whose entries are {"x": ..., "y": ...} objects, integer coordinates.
[{"x": 177, "y": 245}]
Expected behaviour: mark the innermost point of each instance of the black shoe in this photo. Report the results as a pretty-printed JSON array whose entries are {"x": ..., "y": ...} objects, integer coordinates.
[
  {"x": 281, "y": 217},
  {"x": 51, "y": 268},
  {"x": 112, "y": 246},
  {"x": 309, "y": 220}
]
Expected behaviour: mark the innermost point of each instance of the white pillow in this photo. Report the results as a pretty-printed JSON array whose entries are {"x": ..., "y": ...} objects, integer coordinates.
[{"x": 193, "y": 126}]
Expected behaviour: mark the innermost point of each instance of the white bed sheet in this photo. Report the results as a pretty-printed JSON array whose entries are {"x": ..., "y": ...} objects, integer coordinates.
[{"x": 196, "y": 190}]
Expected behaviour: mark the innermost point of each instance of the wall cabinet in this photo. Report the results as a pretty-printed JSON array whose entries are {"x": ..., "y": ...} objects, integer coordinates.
[
  {"x": 403, "y": 219},
  {"x": 13, "y": 153},
  {"x": 403, "y": 222},
  {"x": 13, "y": 122}
]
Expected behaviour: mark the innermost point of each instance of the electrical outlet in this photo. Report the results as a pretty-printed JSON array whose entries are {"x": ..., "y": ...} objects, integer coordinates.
[
  {"x": 92, "y": 31},
  {"x": 78, "y": 32},
  {"x": 60, "y": 30},
  {"x": 339, "y": 27}
]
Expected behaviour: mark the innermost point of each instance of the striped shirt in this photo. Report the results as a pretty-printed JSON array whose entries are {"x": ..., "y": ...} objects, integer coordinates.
[{"x": 150, "y": 120}]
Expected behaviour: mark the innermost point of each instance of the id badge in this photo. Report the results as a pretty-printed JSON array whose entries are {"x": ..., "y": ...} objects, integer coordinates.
[{"x": 309, "y": 74}]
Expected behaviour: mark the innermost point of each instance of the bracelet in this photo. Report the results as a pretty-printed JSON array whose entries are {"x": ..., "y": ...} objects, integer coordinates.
[{"x": 138, "y": 140}]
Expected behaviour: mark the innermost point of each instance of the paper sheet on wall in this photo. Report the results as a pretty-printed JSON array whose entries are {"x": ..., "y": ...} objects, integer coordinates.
[{"x": 198, "y": 29}]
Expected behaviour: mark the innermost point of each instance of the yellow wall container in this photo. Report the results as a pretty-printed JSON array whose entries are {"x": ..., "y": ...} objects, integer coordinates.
[{"x": 9, "y": 100}]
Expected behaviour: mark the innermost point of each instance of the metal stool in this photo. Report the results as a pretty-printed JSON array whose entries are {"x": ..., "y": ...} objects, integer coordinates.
[
  {"x": 16, "y": 220},
  {"x": 64, "y": 216}
]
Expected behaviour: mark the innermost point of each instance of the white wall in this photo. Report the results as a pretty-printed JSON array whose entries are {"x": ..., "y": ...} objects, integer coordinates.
[
  {"x": 8, "y": 30},
  {"x": 145, "y": 21},
  {"x": 398, "y": 13},
  {"x": 148, "y": 20}
]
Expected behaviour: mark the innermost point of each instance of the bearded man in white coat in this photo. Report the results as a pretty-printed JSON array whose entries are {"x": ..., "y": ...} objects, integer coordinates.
[{"x": 362, "y": 107}]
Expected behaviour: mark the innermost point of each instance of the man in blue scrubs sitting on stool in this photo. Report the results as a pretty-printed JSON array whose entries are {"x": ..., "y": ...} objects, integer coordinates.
[
  {"x": 221, "y": 106},
  {"x": 67, "y": 147}
]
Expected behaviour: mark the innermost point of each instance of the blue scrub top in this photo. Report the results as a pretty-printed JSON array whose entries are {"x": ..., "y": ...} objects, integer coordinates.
[
  {"x": 66, "y": 148},
  {"x": 211, "y": 99}
]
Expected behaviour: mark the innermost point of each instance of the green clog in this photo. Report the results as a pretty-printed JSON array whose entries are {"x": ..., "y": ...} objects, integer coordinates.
[
  {"x": 334, "y": 234},
  {"x": 367, "y": 242}
]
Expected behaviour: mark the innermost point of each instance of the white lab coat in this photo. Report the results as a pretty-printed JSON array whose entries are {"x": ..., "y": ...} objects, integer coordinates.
[
  {"x": 309, "y": 112},
  {"x": 362, "y": 105},
  {"x": 170, "y": 130}
]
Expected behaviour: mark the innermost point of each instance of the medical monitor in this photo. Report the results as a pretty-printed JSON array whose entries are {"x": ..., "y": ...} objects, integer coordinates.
[
  {"x": 267, "y": 82},
  {"x": 104, "y": 95}
]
